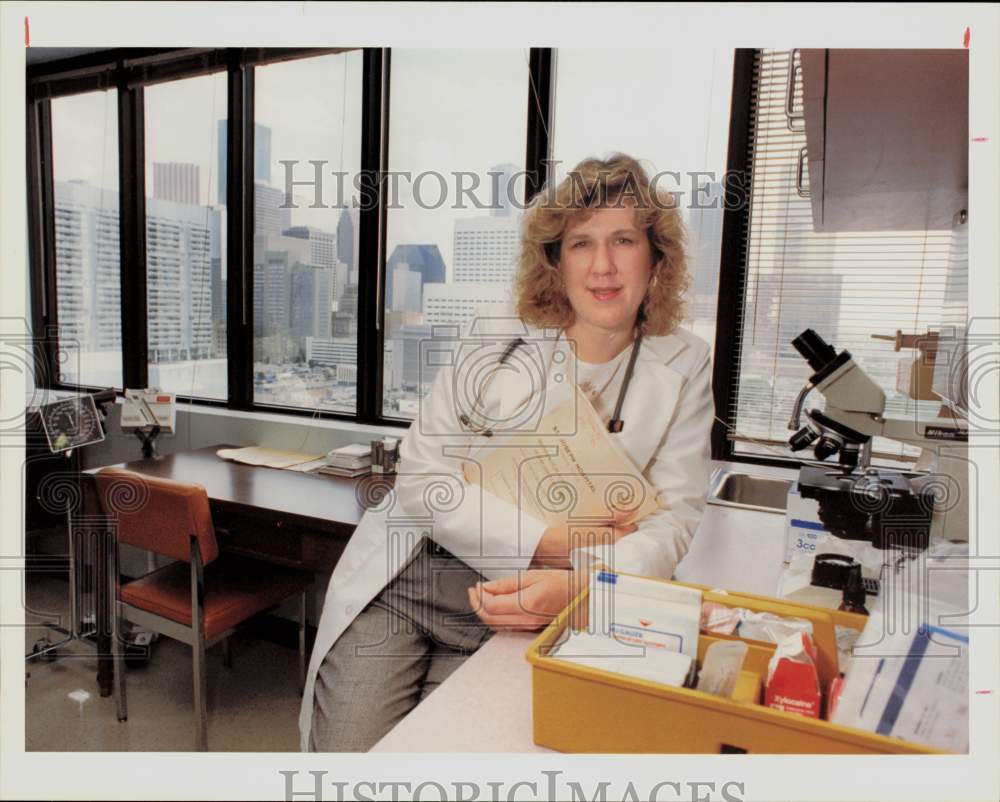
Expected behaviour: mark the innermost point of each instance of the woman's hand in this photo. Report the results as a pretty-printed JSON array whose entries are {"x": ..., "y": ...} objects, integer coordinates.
[
  {"x": 527, "y": 601},
  {"x": 556, "y": 542}
]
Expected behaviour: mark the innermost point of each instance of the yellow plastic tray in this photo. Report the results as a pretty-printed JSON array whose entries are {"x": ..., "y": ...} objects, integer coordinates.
[{"x": 581, "y": 709}]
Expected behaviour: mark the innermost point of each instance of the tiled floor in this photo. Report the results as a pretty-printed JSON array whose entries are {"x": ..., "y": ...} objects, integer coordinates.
[{"x": 253, "y": 707}]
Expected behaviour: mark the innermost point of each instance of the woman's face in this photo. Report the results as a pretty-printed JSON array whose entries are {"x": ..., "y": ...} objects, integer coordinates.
[{"x": 606, "y": 263}]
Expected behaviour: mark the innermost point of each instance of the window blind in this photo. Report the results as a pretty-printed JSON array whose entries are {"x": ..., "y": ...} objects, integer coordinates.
[{"x": 845, "y": 286}]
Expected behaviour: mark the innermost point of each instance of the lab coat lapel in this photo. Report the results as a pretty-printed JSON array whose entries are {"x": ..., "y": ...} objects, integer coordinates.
[{"x": 651, "y": 398}]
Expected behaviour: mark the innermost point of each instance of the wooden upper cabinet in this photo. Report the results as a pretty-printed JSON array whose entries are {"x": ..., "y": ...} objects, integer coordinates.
[{"x": 887, "y": 137}]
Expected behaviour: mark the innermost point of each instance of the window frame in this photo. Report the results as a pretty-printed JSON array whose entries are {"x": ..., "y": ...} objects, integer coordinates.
[{"x": 127, "y": 71}]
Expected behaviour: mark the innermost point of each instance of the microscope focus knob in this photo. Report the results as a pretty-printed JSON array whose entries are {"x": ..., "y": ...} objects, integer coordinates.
[{"x": 827, "y": 447}]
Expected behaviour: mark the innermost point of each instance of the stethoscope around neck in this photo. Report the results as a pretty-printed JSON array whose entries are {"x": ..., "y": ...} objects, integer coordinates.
[{"x": 615, "y": 425}]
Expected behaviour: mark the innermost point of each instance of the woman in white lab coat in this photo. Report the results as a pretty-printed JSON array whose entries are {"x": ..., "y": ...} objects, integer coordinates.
[{"x": 602, "y": 268}]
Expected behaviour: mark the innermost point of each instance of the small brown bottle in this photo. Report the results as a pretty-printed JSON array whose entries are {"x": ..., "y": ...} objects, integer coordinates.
[{"x": 854, "y": 592}]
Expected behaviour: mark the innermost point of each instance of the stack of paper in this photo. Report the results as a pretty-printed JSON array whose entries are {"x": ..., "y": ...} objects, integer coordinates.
[
  {"x": 349, "y": 461},
  {"x": 266, "y": 457}
]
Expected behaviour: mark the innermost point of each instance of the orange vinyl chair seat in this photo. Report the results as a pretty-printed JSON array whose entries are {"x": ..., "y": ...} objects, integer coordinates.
[{"x": 236, "y": 588}]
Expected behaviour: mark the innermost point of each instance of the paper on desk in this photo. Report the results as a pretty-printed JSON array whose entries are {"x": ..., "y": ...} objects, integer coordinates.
[
  {"x": 570, "y": 467},
  {"x": 267, "y": 457}
]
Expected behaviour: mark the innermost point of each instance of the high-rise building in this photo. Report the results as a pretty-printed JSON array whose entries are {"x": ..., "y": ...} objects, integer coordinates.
[
  {"x": 486, "y": 249},
  {"x": 310, "y": 301},
  {"x": 405, "y": 289},
  {"x": 332, "y": 351},
  {"x": 424, "y": 260},
  {"x": 179, "y": 280},
  {"x": 322, "y": 244},
  {"x": 458, "y": 304},
  {"x": 271, "y": 214},
  {"x": 88, "y": 272},
  {"x": 274, "y": 257},
  {"x": 323, "y": 253},
  {"x": 347, "y": 241},
  {"x": 409, "y": 374},
  {"x": 262, "y": 156},
  {"x": 176, "y": 181}
]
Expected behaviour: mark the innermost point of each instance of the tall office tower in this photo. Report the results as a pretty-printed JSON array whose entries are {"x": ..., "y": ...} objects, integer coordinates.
[
  {"x": 347, "y": 241},
  {"x": 405, "y": 288},
  {"x": 340, "y": 280},
  {"x": 486, "y": 249},
  {"x": 176, "y": 181},
  {"x": 88, "y": 273},
  {"x": 408, "y": 372},
  {"x": 219, "y": 300},
  {"x": 310, "y": 300},
  {"x": 504, "y": 190},
  {"x": 348, "y": 303},
  {"x": 179, "y": 280},
  {"x": 322, "y": 244},
  {"x": 270, "y": 216},
  {"x": 425, "y": 260},
  {"x": 345, "y": 319},
  {"x": 261, "y": 162},
  {"x": 458, "y": 304},
  {"x": 274, "y": 257}
]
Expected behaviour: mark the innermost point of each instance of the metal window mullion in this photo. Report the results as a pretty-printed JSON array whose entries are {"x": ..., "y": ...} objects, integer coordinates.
[
  {"x": 239, "y": 233},
  {"x": 371, "y": 234},
  {"x": 132, "y": 228},
  {"x": 541, "y": 102},
  {"x": 734, "y": 256},
  {"x": 41, "y": 242}
]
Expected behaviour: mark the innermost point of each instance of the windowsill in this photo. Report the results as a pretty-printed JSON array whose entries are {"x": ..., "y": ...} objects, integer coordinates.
[{"x": 295, "y": 420}]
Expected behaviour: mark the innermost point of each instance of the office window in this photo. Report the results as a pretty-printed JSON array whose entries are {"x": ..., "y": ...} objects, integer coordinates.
[
  {"x": 185, "y": 123},
  {"x": 457, "y": 144},
  {"x": 88, "y": 268},
  {"x": 307, "y": 133},
  {"x": 609, "y": 101},
  {"x": 847, "y": 286}
]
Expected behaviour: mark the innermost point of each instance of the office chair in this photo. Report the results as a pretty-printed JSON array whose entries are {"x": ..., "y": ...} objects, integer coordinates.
[{"x": 200, "y": 598}]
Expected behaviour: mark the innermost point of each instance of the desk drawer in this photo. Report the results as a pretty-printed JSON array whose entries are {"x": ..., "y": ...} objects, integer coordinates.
[{"x": 279, "y": 540}]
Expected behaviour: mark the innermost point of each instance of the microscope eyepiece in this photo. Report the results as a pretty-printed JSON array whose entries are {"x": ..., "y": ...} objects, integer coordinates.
[{"x": 814, "y": 349}]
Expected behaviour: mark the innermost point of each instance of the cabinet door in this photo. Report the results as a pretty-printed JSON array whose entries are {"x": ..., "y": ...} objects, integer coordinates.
[{"x": 888, "y": 138}]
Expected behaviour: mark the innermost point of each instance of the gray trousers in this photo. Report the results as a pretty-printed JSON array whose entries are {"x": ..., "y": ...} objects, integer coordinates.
[{"x": 400, "y": 648}]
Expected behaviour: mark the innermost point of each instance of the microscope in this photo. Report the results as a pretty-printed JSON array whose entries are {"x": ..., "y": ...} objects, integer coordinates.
[{"x": 892, "y": 509}]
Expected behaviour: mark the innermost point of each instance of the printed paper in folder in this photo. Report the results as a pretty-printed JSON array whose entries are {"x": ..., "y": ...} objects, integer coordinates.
[{"x": 570, "y": 468}]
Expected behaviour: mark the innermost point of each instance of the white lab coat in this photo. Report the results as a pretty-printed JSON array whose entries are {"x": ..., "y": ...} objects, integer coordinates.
[{"x": 668, "y": 415}]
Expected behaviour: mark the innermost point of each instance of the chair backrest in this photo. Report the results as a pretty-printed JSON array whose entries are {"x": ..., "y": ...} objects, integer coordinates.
[{"x": 159, "y": 515}]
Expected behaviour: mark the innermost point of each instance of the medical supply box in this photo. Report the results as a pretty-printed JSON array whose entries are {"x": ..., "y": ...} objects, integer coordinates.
[{"x": 576, "y": 708}]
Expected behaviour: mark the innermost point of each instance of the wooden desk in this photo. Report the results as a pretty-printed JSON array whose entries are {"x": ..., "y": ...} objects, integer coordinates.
[{"x": 289, "y": 518}]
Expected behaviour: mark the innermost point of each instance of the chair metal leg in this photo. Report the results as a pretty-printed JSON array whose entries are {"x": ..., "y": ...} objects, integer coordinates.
[
  {"x": 118, "y": 653},
  {"x": 302, "y": 642},
  {"x": 200, "y": 695},
  {"x": 198, "y": 649},
  {"x": 117, "y": 646},
  {"x": 227, "y": 653}
]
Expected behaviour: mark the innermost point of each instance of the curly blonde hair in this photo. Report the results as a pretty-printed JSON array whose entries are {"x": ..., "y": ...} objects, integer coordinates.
[{"x": 539, "y": 295}]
